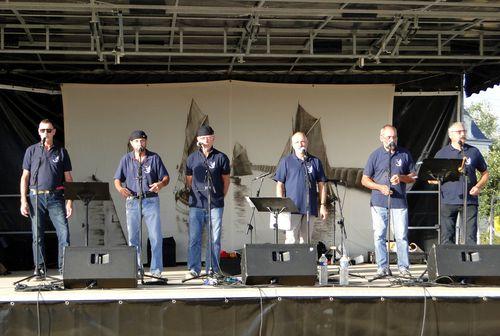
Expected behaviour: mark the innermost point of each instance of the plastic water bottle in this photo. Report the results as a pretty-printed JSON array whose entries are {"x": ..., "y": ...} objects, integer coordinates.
[
  {"x": 344, "y": 271},
  {"x": 323, "y": 270}
]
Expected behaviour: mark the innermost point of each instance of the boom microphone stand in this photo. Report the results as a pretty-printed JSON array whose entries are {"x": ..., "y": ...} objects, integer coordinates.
[
  {"x": 250, "y": 227},
  {"x": 341, "y": 223}
]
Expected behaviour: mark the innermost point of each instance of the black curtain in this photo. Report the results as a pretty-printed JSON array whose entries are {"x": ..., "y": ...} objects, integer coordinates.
[
  {"x": 20, "y": 114},
  {"x": 422, "y": 124}
]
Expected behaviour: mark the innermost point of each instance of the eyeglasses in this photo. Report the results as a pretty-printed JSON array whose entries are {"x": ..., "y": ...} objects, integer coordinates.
[
  {"x": 46, "y": 130},
  {"x": 459, "y": 131}
]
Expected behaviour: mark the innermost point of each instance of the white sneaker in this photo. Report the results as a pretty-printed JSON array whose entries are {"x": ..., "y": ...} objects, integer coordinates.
[
  {"x": 191, "y": 274},
  {"x": 404, "y": 272},
  {"x": 156, "y": 274}
]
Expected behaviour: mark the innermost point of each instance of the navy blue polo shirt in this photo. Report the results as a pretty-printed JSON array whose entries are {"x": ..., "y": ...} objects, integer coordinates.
[
  {"x": 153, "y": 170},
  {"x": 452, "y": 191},
  {"x": 377, "y": 168},
  {"x": 218, "y": 163},
  {"x": 54, "y": 162},
  {"x": 291, "y": 172}
]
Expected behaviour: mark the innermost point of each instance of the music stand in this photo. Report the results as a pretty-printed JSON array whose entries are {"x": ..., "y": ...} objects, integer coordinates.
[
  {"x": 87, "y": 192},
  {"x": 275, "y": 206},
  {"x": 440, "y": 170}
]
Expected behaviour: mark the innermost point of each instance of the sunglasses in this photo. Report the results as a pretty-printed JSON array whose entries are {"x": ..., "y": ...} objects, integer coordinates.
[{"x": 46, "y": 130}]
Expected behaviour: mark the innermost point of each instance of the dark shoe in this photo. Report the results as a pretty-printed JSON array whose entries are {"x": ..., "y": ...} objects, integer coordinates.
[{"x": 39, "y": 273}]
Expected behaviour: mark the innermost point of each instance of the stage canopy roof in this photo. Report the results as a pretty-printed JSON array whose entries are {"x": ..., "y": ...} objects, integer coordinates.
[{"x": 44, "y": 43}]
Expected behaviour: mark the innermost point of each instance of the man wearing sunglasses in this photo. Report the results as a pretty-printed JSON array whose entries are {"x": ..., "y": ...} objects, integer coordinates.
[
  {"x": 452, "y": 194},
  {"x": 46, "y": 166}
]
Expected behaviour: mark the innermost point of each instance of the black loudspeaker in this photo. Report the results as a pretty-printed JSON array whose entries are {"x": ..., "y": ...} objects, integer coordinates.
[
  {"x": 102, "y": 267},
  {"x": 478, "y": 264},
  {"x": 282, "y": 264}
]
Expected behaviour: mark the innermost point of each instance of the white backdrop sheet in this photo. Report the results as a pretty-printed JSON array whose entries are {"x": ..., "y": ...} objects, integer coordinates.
[{"x": 99, "y": 118}]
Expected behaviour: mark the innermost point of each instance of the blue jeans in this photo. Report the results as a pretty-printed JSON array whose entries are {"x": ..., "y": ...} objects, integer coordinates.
[
  {"x": 53, "y": 206},
  {"x": 197, "y": 219},
  {"x": 151, "y": 216},
  {"x": 399, "y": 218}
]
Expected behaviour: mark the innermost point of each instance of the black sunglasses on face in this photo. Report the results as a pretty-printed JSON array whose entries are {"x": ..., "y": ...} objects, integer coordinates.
[{"x": 46, "y": 130}]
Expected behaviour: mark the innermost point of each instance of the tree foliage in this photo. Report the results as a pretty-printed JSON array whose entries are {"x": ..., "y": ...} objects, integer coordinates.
[
  {"x": 489, "y": 125},
  {"x": 484, "y": 119}
]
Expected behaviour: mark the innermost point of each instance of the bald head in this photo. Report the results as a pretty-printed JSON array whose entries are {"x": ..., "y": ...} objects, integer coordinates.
[{"x": 299, "y": 143}]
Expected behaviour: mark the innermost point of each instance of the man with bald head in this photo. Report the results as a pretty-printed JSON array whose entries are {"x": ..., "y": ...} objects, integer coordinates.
[
  {"x": 388, "y": 170},
  {"x": 291, "y": 182},
  {"x": 452, "y": 193}
]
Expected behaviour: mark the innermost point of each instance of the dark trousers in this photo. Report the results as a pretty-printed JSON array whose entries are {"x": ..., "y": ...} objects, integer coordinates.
[{"x": 449, "y": 213}]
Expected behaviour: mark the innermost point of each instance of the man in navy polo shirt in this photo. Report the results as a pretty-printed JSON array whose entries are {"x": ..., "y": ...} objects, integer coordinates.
[
  {"x": 141, "y": 166},
  {"x": 388, "y": 170},
  {"x": 291, "y": 182},
  {"x": 452, "y": 195},
  {"x": 46, "y": 166},
  {"x": 202, "y": 165}
]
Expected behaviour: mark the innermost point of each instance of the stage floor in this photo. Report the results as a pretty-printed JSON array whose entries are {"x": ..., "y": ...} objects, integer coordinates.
[
  {"x": 385, "y": 307},
  {"x": 359, "y": 286}
]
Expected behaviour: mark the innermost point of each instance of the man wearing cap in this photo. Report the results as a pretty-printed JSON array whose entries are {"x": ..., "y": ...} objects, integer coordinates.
[
  {"x": 387, "y": 171},
  {"x": 290, "y": 180},
  {"x": 205, "y": 165},
  {"x": 452, "y": 193},
  {"x": 136, "y": 168},
  {"x": 46, "y": 166}
]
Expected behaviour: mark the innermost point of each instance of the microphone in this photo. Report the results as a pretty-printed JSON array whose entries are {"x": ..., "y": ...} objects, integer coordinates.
[
  {"x": 141, "y": 149},
  {"x": 198, "y": 144},
  {"x": 44, "y": 139},
  {"x": 461, "y": 143},
  {"x": 304, "y": 151},
  {"x": 392, "y": 146},
  {"x": 261, "y": 176}
]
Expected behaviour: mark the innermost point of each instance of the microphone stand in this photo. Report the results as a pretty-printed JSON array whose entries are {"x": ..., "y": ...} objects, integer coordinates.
[
  {"x": 463, "y": 171},
  {"x": 389, "y": 215},
  {"x": 389, "y": 218},
  {"x": 209, "y": 187},
  {"x": 36, "y": 233},
  {"x": 140, "y": 195},
  {"x": 307, "y": 182}
]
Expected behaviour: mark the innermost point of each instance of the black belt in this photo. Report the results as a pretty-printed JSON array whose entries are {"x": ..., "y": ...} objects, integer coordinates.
[{"x": 147, "y": 194}]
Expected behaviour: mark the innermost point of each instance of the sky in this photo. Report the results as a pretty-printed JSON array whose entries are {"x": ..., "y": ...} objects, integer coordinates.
[{"x": 491, "y": 96}]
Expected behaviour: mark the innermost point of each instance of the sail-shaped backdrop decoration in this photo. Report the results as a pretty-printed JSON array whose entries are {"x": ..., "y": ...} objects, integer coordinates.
[{"x": 195, "y": 119}]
